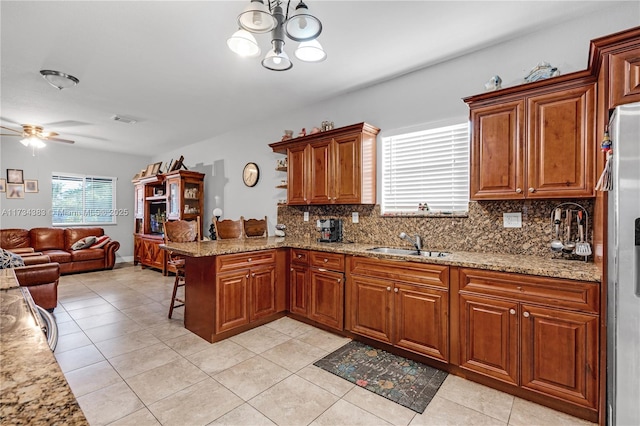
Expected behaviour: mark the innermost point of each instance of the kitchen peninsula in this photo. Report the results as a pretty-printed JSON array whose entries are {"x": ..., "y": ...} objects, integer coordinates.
[{"x": 440, "y": 310}]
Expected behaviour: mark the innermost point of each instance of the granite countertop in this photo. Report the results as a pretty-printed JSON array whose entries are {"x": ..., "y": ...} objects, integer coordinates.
[
  {"x": 33, "y": 389},
  {"x": 532, "y": 265}
]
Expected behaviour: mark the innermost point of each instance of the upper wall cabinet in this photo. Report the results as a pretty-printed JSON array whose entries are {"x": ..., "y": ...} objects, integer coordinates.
[
  {"x": 620, "y": 56},
  {"x": 534, "y": 141},
  {"x": 333, "y": 167}
]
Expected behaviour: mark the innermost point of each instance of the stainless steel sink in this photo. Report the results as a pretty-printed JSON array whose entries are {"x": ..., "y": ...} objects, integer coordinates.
[{"x": 408, "y": 252}]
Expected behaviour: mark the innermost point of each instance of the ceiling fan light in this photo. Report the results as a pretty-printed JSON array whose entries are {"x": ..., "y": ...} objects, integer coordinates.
[
  {"x": 37, "y": 143},
  {"x": 58, "y": 79},
  {"x": 277, "y": 61},
  {"x": 257, "y": 18},
  {"x": 244, "y": 44},
  {"x": 302, "y": 25},
  {"x": 32, "y": 141},
  {"x": 311, "y": 51}
]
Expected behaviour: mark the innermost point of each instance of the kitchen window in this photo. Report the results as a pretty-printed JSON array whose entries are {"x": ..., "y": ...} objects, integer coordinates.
[
  {"x": 426, "y": 172},
  {"x": 83, "y": 200}
]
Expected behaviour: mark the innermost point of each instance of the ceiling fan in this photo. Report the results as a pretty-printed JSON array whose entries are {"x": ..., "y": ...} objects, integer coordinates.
[{"x": 34, "y": 136}]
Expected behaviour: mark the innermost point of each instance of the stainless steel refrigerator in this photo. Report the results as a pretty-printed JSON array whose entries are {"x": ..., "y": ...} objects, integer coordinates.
[{"x": 623, "y": 271}]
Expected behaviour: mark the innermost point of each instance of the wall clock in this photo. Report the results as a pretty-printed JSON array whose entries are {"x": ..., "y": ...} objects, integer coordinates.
[{"x": 251, "y": 174}]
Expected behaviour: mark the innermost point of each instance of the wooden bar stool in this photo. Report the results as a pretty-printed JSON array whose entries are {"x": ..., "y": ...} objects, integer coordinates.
[
  {"x": 179, "y": 231},
  {"x": 229, "y": 229},
  {"x": 255, "y": 228}
]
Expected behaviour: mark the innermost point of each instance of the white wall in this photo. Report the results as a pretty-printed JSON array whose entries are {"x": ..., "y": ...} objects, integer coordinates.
[
  {"x": 424, "y": 96},
  {"x": 15, "y": 213}
]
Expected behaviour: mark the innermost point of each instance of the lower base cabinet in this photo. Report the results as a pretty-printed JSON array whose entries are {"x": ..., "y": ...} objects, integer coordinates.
[
  {"x": 403, "y": 305},
  {"x": 537, "y": 333},
  {"x": 147, "y": 251}
]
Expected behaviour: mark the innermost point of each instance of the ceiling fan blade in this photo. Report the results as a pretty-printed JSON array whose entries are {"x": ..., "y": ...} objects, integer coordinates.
[
  {"x": 60, "y": 140},
  {"x": 13, "y": 130}
]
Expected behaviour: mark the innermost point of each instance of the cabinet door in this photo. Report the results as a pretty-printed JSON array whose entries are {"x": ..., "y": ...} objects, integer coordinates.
[
  {"x": 561, "y": 131},
  {"x": 421, "y": 318},
  {"x": 296, "y": 175},
  {"x": 298, "y": 290},
  {"x": 489, "y": 337},
  {"x": 232, "y": 300},
  {"x": 263, "y": 292},
  {"x": 174, "y": 198},
  {"x": 497, "y": 152},
  {"x": 139, "y": 207},
  {"x": 371, "y": 308},
  {"x": 319, "y": 173},
  {"x": 559, "y": 354},
  {"x": 327, "y": 298},
  {"x": 346, "y": 170},
  {"x": 624, "y": 85}
]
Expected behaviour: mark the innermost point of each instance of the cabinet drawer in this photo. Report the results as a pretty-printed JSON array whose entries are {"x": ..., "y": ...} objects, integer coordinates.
[
  {"x": 230, "y": 262},
  {"x": 568, "y": 294},
  {"x": 332, "y": 261},
  {"x": 300, "y": 256},
  {"x": 413, "y": 272}
]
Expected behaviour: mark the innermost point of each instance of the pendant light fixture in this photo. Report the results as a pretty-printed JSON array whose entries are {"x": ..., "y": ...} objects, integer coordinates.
[{"x": 301, "y": 26}]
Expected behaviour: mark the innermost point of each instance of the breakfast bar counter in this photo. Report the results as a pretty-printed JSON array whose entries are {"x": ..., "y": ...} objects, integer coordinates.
[
  {"x": 522, "y": 264},
  {"x": 33, "y": 389}
]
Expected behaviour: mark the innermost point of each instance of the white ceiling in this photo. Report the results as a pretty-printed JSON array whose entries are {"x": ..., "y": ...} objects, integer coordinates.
[{"x": 166, "y": 63}]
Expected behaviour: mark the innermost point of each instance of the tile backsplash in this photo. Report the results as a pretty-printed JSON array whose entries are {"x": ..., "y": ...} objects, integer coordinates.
[{"x": 481, "y": 231}]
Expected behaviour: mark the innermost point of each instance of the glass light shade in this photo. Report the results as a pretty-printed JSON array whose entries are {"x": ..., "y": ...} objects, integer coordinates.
[
  {"x": 311, "y": 51},
  {"x": 58, "y": 79},
  {"x": 257, "y": 18},
  {"x": 33, "y": 141},
  {"x": 277, "y": 62},
  {"x": 301, "y": 25},
  {"x": 244, "y": 44}
]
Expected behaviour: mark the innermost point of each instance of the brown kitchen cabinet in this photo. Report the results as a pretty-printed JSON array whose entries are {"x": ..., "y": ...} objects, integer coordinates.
[
  {"x": 536, "y": 333},
  {"x": 333, "y": 167},
  {"x": 533, "y": 143},
  {"x": 403, "y": 304},
  {"x": 326, "y": 289},
  {"x": 147, "y": 251},
  {"x": 299, "y": 282},
  {"x": 245, "y": 288}
]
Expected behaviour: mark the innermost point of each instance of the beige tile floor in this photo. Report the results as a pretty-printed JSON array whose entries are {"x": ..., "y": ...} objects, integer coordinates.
[{"x": 128, "y": 364}]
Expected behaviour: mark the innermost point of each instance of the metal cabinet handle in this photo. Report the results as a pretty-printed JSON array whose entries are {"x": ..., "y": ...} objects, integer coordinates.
[
  {"x": 532, "y": 190},
  {"x": 247, "y": 275},
  {"x": 253, "y": 275},
  {"x": 326, "y": 260},
  {"x": 291, "y": 269},
  {"x": 512, "y": 311},
  {"x": 388, "y": 288},
  {"x": 525, "y": 314},
  {"x": 249, "y": 260},
  {"x": 322, "y": 270},
  {"x": 518, "y": 190},
  {"x": 299, "y": 256},
  {"x": 395, "y": 289},
  {"x": 338, "y": 280}
]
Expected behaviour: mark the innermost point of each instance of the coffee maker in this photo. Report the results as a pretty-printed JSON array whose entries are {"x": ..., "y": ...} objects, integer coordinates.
[{"x": 330, "y": 230}]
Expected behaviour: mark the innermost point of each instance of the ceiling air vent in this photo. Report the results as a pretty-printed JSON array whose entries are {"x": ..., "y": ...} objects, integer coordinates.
[{"x": 125, "y": 120}]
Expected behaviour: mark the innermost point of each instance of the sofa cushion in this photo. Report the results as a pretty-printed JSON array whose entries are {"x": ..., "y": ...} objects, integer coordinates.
[
  {"x": 87, "y": 254},
  {"x": 59, "y": 256},
  {"x": 47, "y": 239},
  {"x": 71, "y": 235},
  {"x": 101, "y": 241},
  {"x": 9, "y": 260},
  {"x": 14, "y": 238},
  {"x": 83, "y": 243}
]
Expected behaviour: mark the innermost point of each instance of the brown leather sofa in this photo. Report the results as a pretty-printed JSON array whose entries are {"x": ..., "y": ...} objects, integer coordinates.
[{"x": 56, "y": 243}]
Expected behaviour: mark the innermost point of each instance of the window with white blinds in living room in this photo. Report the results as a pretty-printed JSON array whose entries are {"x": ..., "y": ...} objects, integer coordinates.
[
  {"x": 429, "y": 166},
  {"x": 83, "y": 200}
]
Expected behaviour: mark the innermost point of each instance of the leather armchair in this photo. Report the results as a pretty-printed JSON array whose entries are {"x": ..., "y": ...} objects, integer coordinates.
[{"x": 41, "y": 277}]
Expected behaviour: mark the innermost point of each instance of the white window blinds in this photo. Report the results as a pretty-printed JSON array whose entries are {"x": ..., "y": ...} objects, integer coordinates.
[
  {"x": 82, "y": 200},
  {"x": 430, "y": 166}
]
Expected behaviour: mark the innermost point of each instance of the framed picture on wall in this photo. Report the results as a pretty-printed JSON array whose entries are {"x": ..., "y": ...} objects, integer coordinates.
[
  {"x": 30, "y": 185},
  {"x": 3, "y": 185},
  {"x": 14, "y": 176},
  {"x": 15, "y": 190}
]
